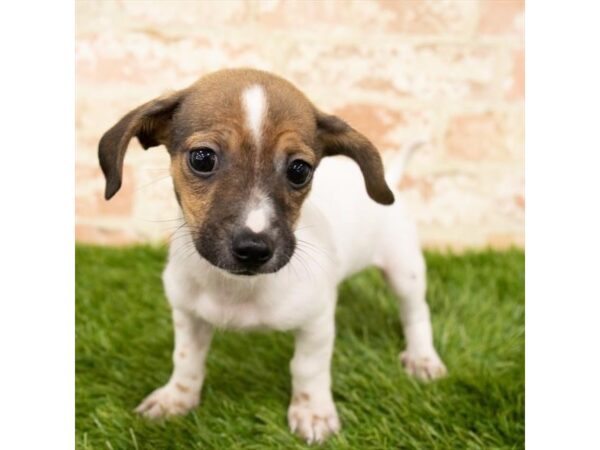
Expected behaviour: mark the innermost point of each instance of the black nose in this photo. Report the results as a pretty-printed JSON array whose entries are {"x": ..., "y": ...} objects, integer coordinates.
[{"x": 251, "y": 249}]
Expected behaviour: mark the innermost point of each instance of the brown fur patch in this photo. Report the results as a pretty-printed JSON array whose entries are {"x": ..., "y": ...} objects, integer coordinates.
[
  {"x": 181, "y": 387},
  {"x": 300, "y": 398},
  {"x": 195, "y": 198}
]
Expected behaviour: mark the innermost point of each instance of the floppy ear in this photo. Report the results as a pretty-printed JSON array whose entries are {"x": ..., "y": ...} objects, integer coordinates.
[
  {"x": 150, "y": 123},
  {"x": 338, "y": 138}
]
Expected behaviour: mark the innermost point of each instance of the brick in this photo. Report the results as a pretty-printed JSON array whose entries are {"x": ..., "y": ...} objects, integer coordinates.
[
  {"x": 315, "y": 15},
  {"x": 89, "y": 193},
  {"x": 87, "y": 174},
  {"x": 519, "y": 200},
  {"x": 517, "y": 81},
  {"x": 501, "y": 16},
  {"x": 96, "y": 234},
  {"x": 378, "y": 84},
  {"x": 421, "y": 185},
  {"x": 477, "y": 137},
  {"x": 371, "y": 120},
  {"x": 423, "y": 71},
  {"x": 430, "y": 16}
]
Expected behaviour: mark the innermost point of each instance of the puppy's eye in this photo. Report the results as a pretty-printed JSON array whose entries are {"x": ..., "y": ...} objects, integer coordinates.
[
  {"x": 299, "y": 173},
  {"x": 203, "y": 160}
]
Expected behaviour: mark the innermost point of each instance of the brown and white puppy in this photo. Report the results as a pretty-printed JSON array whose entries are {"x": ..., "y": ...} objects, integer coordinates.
[{"x": 245, "y": 146}]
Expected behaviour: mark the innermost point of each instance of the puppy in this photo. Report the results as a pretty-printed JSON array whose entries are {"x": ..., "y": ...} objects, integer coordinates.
[{"x": 270, "y": 228}]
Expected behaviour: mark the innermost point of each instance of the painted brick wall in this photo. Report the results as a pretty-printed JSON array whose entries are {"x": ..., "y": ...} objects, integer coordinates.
[{"x": 452, "y": 71}]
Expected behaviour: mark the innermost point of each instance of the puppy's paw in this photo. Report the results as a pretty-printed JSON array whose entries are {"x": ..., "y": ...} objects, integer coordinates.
[
  {"x": 173, "y": 399},
  {"x": 313, "y": 423},
  {"x": 424, "y": 366}
]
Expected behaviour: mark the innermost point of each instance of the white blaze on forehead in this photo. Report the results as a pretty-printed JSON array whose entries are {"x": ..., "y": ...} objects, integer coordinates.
[
  {"x": 254, "y": 101},
  {"x": 259, "y": 216}
]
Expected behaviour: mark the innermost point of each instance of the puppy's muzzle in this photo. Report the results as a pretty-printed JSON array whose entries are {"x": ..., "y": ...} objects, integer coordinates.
[{"x": 251, "y": 250}]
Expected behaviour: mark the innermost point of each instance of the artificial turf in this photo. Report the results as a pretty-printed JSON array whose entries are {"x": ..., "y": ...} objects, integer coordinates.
[{"x": 124, "y": 340}]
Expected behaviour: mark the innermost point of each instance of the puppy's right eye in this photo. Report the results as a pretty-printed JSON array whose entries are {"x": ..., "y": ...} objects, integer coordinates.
[
  {"x": 298, "y": 173},
  {"x": 203, "y": 160}
]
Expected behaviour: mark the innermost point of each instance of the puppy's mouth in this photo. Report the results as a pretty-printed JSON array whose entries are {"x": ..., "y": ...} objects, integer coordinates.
[
  {"x": 236, "y": 270},
  {"x": 245, "y": 272},
  {"x": 232, "y": 265}
]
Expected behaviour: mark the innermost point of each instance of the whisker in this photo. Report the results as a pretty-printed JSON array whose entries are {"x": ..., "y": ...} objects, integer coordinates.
[
  {"x": 315, "y": 247},
  {"x": 300, "y": 259},
  {"x": 304, "y": 228},
  {"x": 144, "y": 186},
  {"x": 184, "y": 224},
  {"x": 162, "y": 220},
  {"x": 308, "y": 255},
  {"x": 187, "y": 251}
]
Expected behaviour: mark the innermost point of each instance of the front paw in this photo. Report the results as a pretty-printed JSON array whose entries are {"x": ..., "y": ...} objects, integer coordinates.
[
  {"x": 312, "y": 422},
  {"x": 173, "y": 399},
  {"x": 424, "y": 366}
]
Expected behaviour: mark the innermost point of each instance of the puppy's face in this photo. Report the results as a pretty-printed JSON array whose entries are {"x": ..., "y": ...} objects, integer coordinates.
[{"x": 244, "y": 145}]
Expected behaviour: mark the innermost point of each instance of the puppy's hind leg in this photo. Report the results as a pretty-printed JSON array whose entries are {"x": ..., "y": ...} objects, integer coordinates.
[{"x": 404, "y": 268}]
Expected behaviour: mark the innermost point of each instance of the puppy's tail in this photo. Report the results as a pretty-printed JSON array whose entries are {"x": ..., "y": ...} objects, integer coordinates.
[{"x": 396, "y": 165}]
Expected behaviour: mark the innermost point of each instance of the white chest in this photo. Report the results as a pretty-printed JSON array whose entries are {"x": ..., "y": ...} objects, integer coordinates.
[
  {"x": 224, "y": 313},
  {"x": 254, "y": 310}
]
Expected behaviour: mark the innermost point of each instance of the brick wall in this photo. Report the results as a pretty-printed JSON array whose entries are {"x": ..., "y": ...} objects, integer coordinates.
[{"x": 450, "y": 70}]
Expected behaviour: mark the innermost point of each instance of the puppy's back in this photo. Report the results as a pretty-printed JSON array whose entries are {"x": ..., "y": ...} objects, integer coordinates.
[{"x": 360, "y": 227}]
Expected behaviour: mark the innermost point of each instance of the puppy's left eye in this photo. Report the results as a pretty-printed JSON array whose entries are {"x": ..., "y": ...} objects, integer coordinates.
[
  {"x": 203, "y": 160},
  {"x": 299, "y": 173}
]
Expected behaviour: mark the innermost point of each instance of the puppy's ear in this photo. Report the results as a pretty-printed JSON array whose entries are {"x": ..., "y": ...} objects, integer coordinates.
[
  {"x": 150, "y": 123},
  {"x": 338, "y": 138}
]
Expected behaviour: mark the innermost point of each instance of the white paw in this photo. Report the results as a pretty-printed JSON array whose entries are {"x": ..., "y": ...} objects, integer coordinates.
[
  {"x": 172, "y": 399},
  {"x": 311, "y": 422},
  {"x": 424, "y": 366}
]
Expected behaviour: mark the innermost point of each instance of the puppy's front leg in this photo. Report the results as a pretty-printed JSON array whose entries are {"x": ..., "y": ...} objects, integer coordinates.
[
  {"x": 312, "y": 414},
  {"x": 182, "y": 392}
]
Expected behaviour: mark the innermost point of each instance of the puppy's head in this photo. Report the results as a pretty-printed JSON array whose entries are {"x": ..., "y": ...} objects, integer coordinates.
[{"x": 244, "y": 145}]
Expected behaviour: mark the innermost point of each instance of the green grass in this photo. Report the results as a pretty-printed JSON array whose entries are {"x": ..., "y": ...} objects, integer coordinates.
[{"x": 124, "y": 340}]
